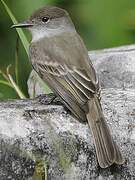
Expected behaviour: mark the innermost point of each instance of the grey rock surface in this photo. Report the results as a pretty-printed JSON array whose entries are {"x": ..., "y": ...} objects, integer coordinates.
[
  {"x": 32, "y": 132},
  {"x": 115, "y": 67}
]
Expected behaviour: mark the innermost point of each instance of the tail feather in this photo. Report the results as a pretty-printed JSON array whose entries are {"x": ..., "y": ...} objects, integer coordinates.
[{"x": 106, "y": 149}]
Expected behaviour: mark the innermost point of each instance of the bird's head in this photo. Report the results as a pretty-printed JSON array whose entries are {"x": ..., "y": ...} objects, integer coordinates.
[{"x": 47, "y": 21}]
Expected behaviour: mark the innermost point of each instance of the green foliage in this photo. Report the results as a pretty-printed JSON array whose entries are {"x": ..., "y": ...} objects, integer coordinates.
[
  {"x": 19, "y": 31},
  {"x": 10, "y": 81},
  {"x": 40, "y": 172}
]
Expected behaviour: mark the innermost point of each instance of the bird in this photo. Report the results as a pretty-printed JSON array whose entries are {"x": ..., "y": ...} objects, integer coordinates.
[{"x": 59, "y": 56}]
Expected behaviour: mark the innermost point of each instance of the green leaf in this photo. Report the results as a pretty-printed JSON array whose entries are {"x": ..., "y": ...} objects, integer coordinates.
[
  {"x": 17, "y": 61},
  {"x": 19, "y": 31},
  {"x": 5, "y": 83}
]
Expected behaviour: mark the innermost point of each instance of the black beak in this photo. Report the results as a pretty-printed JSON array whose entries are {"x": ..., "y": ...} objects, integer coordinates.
[{"x": 24, "y": 24}]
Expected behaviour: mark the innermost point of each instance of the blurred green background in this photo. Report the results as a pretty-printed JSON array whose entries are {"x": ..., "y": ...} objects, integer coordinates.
[{"x": 101, "y": 23}]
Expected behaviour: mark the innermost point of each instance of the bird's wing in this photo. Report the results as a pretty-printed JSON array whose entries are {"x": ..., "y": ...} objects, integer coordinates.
[
  {"x": 73, "y": 85},
  {"x": 64, "y": 64}
]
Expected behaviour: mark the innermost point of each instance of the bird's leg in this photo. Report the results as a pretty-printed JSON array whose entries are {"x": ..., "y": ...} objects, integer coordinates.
[{"x": 52, "y": 99}]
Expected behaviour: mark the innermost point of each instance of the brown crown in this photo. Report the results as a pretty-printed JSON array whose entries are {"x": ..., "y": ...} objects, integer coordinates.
[{"x": 49, "y": 11}]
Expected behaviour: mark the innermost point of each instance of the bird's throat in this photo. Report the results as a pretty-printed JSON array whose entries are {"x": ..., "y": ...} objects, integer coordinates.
[{"x": 38, "y": 34}]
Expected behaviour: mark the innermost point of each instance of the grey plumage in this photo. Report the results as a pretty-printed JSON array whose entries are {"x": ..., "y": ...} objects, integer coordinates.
[{"x": 62, "y": 61}]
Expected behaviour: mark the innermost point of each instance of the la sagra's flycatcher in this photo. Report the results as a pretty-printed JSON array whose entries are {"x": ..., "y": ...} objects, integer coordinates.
[{"x": 59, "y": 56}]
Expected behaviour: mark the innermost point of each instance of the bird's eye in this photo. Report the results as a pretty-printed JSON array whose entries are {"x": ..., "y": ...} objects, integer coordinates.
[{"x": 45, "y": 19}]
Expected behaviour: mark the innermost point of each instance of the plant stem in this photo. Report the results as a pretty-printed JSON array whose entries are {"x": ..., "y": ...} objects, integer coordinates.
[
  {"x": 17, "y": 61},
  {"x": 17, "y": 89}
]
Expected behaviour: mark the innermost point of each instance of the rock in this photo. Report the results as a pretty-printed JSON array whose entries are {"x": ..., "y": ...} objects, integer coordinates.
[
  {"x": 115, "y": 67},
  {"x": 36, "y": 86},
  {"x": 45, "y": 140},
  {"x": 31, "y": 131}
]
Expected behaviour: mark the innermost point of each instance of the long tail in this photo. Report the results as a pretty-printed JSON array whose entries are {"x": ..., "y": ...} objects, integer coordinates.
[{"x": 106, "y": 149}]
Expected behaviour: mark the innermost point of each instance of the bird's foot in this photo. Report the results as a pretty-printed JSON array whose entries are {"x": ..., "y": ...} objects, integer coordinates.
[{"x": 49, "y": 99}]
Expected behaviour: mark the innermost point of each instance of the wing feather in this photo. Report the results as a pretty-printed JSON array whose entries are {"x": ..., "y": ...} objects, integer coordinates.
[{"x": 77, "y": 80}]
